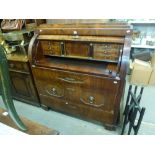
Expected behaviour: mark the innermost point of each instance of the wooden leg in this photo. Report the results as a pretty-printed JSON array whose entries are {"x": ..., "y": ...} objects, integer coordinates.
[{"x": 44, "y": 107}]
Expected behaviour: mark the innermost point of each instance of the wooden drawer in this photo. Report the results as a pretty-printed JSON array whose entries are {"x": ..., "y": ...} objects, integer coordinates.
[
  {"x": 58, "y": 89},
  {"x": 51, "y": 47},
  {"x": 77, "y": 109},
  {"x": 78, "y": 95},
  {"x": 107, "y": 51},
  {"x": 96, "y": 92},
  {"x": 49, "y": 75},
  {"x": 18, "y": 66},
  {"x": 61, "y": 105},
  {"x": 75, "y": 79},
  {"x": 97, "y": 98},
  {"x": 77, "y": 49},
  {"x": 52, "y": 89}
]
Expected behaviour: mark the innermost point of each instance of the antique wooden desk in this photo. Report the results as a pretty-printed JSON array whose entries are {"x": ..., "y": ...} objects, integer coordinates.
[{"x": 80, "y": 69}]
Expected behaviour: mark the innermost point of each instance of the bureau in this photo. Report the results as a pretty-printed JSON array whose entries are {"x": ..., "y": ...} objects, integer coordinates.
[{"x": 80, "y": 69}]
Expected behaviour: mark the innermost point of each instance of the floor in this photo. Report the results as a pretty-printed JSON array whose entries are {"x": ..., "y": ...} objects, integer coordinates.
[{"x": 68, "y": 125}]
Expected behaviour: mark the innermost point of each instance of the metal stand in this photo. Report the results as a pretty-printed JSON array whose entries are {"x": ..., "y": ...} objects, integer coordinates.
[
  {"x": 6, "y": 90},
  {"x": 131, "y": 110}
]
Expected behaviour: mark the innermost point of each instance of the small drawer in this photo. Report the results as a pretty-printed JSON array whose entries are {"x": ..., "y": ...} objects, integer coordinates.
[
  {"x": 51, "y": 48},
  {"x": 106, "y": 51},
  {"x": 77, "y": 49},
  {"x": 18, "y": 66}
]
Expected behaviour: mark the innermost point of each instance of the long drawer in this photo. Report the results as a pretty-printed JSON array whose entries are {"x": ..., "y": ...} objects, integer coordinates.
[
  {"x": 91, "y": 91},
  {"x": 83, "y": 111}
]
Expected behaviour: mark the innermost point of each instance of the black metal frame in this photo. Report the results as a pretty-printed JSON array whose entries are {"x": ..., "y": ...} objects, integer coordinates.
[{"x": 131, "y": 109}]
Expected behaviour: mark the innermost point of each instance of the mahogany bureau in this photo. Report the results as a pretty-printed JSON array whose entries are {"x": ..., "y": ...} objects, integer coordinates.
[{"x": 80, "y": 69}]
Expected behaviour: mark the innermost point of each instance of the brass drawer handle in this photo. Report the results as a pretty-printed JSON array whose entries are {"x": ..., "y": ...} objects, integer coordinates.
[
  {"x": 53, "y": 92},
  {"x": 91, "y": 102},
  {"x": 70, "y": 80}
]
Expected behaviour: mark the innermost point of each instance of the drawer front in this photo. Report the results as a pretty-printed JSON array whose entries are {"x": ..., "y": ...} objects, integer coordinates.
[
  {"x": 58, "y": 87},
  {"x": 77, "y": 49},
  {"x": 78, "y": 110},
  {"x": 61, "y": 105},
  {"x": 96, "y": 92},
  {"x": 75, "y": 79},
  {"x": 47, "y": 75},
  {"x": 99, "y": 93},
  {"x": 107, "y": 51},
  {"x": 92, "y": 97},
  {"x": 97, "y": 99},
  {"x": 18, "y": 66},
  {"x": 51, "y": 47},
  {"x": 53, "y": 89},
  {"x": 65, "y": 84}
]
